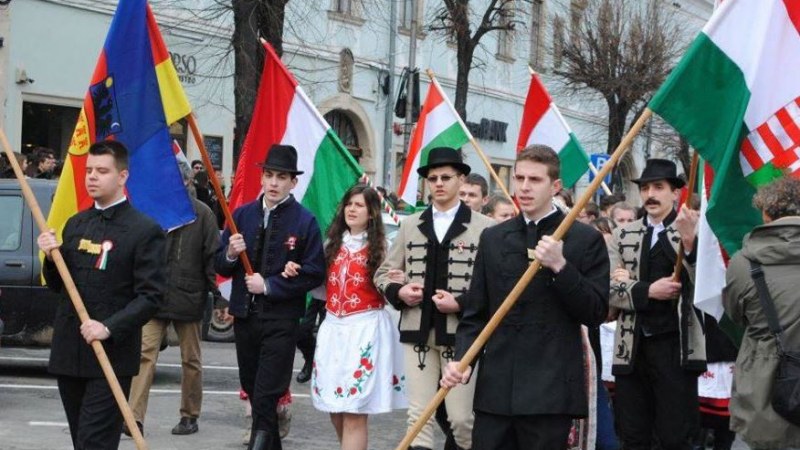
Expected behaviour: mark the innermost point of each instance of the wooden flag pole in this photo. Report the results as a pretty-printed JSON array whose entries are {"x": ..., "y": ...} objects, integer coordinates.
[
  {"x": 474, "y": 144},
  {"x": 75, "y": 297},
  {"x": 676, "y": 274},
  {"x": 512, "y": 297},
  {"x": 212, "y": 177},
  {"x": 564, "y": 122},
  {"x": 603, "y": 184}
]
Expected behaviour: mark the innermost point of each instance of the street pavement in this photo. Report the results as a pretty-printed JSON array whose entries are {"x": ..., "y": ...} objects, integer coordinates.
[{"x": 32, "y": 418}]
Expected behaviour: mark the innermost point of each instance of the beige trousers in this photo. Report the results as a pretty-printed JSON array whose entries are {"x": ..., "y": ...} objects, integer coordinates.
[
  {"x": 421, "y": 387},
  {"x": 191, "y": 367}
]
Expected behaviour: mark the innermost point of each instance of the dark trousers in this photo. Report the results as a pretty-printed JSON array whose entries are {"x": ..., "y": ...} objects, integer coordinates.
[
  {"x": 265, "y": 352},
  {"x": 606, "y": 436},
  {"x": 537, "y": 432},
  {"x": 306, "y": 333},
  {"x": 659, "y": 398},
  {"x": 95, "y": 421}
]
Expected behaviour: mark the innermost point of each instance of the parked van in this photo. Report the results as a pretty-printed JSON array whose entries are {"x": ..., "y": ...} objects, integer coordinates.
[{"x": 27, "y": 308}]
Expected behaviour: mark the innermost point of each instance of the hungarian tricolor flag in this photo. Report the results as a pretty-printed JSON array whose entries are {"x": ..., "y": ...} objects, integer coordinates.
[
  {"x": 283, "y": 114},
  {"x": 735, "y": 96},
  {"x": 133, "y": 97},
  {"x": 439, "y": 126},
  {"x": 542, "y": 123}
]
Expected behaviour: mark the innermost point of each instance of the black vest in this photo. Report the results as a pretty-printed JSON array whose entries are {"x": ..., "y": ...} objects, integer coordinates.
[{"x": 658, "y": 262}]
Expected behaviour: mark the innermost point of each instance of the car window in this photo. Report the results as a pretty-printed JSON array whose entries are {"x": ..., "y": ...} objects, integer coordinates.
[{"x": 10, "y": 222}]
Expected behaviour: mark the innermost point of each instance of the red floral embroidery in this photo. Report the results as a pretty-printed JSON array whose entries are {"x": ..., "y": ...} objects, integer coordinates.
[
  {"x": 398, "y": 384},
  {"x": 361, "y": 374}
]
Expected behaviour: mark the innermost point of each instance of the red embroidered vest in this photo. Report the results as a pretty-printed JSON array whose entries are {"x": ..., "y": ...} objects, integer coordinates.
[{"x": 349, "y": 287}]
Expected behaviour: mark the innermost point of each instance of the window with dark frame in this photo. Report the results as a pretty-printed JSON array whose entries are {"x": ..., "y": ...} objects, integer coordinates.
[
  {"x": 343, "y": 6},
  {"x": 346, "y": 130}
]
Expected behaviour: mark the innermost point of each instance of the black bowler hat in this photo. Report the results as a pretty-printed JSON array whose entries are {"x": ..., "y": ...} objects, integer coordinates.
[
  {"x": 660, "y": 169},
  {"x": 444, "y": 156},
  {"x": 281, "y": 158}
]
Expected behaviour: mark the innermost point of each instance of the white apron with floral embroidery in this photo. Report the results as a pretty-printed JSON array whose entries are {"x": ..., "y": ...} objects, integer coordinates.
[{"x": 358, "y": 365}]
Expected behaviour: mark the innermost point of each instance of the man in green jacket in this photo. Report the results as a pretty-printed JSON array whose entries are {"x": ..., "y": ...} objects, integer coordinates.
[
  {"x": 190, "y": 277},
  {"x": 776, "y": 246}
]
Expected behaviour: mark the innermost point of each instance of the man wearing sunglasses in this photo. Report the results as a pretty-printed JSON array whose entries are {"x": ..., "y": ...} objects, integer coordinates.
[{"x": 434, "y": 250}]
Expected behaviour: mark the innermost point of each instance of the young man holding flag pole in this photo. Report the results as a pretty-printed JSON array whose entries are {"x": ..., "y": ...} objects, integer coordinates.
[
  {"x": 117, "y": 391},
  {"x": 133, "y": 98}
]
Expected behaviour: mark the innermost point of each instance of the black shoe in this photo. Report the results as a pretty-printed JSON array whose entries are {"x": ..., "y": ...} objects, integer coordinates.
[
  {"x": 258, "y": 440},
  {"x": 187, "y": 425},
  {"x": 127, "y": 432},
  {"x": 305, "y": 373}
]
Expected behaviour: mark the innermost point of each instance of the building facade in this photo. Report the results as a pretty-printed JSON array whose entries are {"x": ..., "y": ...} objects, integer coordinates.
[{"x": 347, "y": 55}]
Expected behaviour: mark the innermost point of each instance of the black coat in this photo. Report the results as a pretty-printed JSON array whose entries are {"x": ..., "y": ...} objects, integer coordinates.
[
  {"x": 533, "y": 363},
  {"x": 123, "y": 296},
  {"x": 293, "y": 235}
]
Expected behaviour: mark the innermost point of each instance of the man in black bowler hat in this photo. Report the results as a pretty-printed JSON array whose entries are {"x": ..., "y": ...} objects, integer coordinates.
[
  {"x": 659, "y": 347},
  {"x": 273, "y": 230},
  {"x": 435, "y": 250}
]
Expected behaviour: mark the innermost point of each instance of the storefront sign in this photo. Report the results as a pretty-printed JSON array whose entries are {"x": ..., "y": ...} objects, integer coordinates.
[
  {"x": 490, "y": 130},
  {"x": 186, "y": 66}
]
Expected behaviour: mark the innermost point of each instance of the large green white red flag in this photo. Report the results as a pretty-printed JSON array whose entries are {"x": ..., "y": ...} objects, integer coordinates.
[
  {"x": 542, "y": 123},
  {"x": 735, "y": 96},
  {"x": 283, "y": 114},
  {"x": 439, "y": 126}
]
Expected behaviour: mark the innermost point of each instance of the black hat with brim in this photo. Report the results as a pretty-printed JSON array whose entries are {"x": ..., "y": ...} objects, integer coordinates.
[
  {"x": 444, "y": 156},
  {"x": 281, "y": 158},
  {"x": 660, "y": 169}
]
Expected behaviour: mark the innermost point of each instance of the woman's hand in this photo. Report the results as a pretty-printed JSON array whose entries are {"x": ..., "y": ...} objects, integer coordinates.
[{"x": 292, "y": 269}]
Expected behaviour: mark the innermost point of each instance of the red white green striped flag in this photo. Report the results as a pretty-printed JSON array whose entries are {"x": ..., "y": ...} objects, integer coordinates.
[
  {"x": 284, "y": 115},
  {"x": 735, "y": 96},
  {"x": 542, "y": 123},
  {"x": 439, "y": 126}
]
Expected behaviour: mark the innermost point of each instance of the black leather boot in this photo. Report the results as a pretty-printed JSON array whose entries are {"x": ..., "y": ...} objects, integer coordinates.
[{"x": 258, "y": 440}]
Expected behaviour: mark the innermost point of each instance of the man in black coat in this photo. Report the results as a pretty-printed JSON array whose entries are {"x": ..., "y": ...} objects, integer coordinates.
[
  {"x": 190, "y": 277},
  {"x": 115, "y": 255},
  {"x": 531, "y": 380},
  {"x": 274, "y": 229}
]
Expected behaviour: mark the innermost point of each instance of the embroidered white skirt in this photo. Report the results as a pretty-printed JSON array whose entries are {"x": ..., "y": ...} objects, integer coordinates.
[{"x": 358, "y": 365}]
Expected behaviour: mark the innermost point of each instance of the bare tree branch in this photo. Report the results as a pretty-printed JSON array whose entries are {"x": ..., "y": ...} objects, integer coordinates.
[
  {"x": 623, "y": 51},
  {"x": 453, "y": 21}
]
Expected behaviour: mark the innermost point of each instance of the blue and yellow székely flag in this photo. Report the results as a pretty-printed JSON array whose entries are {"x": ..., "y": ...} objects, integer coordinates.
[{"x": 133, "y": 97}]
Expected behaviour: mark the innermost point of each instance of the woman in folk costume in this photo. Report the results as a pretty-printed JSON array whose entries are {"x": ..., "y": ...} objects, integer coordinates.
[{"x": 358, "y": 361}]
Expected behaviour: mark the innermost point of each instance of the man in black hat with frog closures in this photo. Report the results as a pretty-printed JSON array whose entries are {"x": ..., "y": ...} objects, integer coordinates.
[
  {"x": 659, "y": 347},
  {"x": 273, "y": 230}
]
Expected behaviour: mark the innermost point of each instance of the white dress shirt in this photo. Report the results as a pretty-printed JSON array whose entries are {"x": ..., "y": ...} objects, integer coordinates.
[{"x": 442, "y": 220}]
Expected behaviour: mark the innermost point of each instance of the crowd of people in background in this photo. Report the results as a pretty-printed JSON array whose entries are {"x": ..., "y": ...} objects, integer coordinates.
[{"x": 41, "y": 162}]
